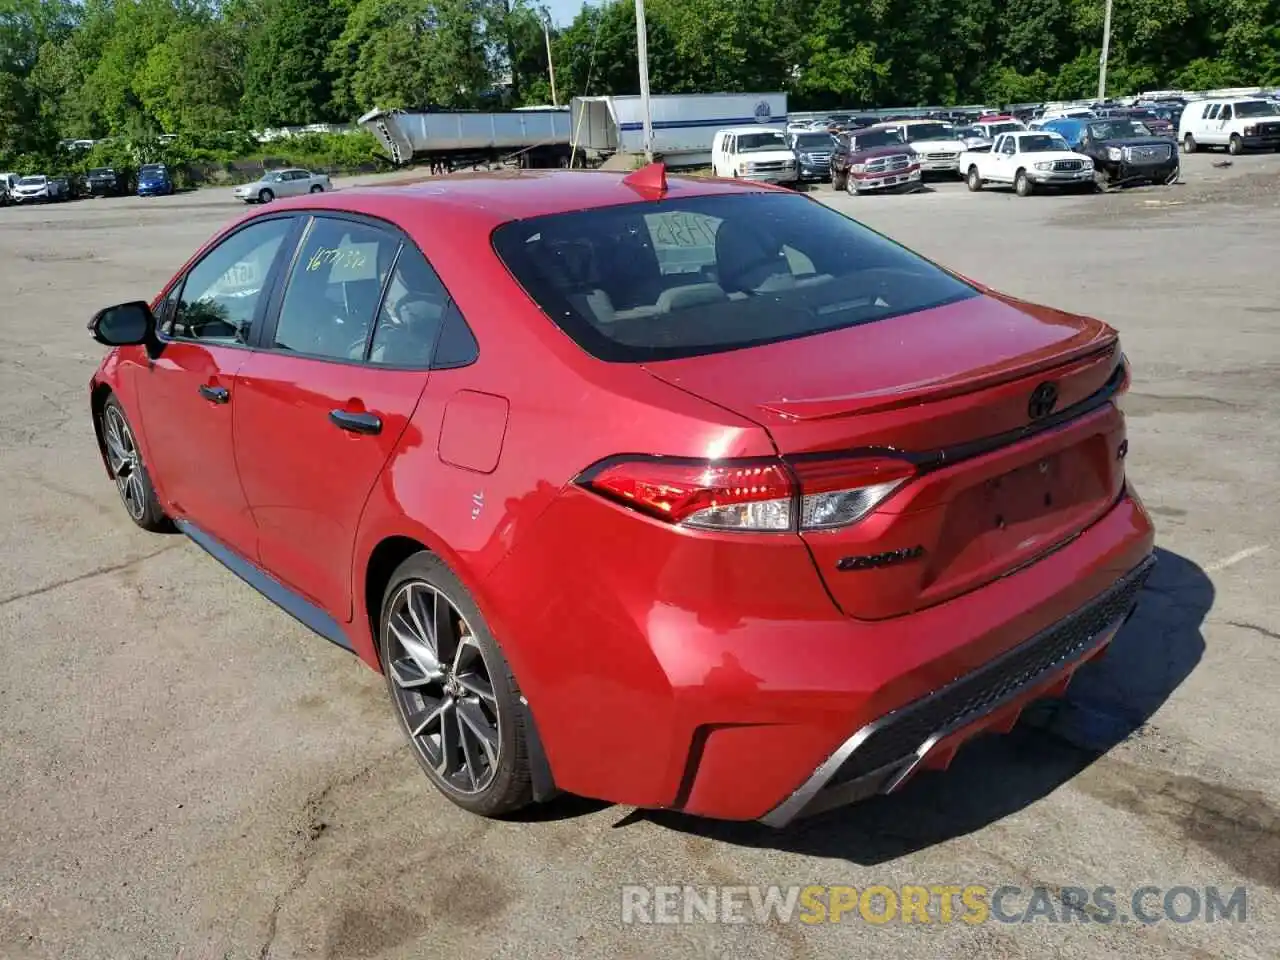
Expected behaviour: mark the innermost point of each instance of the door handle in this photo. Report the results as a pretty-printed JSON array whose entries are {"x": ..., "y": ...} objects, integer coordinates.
[
  {"x": 215, "y": 394},
  {"x": 367, "y": 423}
]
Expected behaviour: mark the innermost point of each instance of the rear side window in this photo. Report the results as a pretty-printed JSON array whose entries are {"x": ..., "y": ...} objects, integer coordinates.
[
  {"x": 411, "y": 314},
  {"x": 699, "y": 275}
]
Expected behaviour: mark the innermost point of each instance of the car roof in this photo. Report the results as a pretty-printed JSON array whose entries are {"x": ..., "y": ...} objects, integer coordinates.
[
  {"x": 744, "y": 129},
  {"x": 483, "y": 201}
]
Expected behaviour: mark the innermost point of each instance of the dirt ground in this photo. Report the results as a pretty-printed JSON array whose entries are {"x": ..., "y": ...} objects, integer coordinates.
[{"x": 186, "y": 772}]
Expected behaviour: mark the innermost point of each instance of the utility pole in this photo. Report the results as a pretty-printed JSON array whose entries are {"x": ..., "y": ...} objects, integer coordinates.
[
  {"x": 1106, "y": 48},
  {"x": 642, "y": 54},
  {"x": 551, "y": 67}
]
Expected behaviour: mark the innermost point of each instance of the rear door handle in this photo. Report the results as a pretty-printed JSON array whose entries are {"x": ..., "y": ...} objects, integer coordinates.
[
  {"x": 215, "y": 394},
  {"x": 355, "y": 422}
]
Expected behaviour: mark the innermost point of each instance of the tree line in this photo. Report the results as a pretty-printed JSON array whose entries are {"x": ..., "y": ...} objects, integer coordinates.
[{"x": 93, "y": 68}]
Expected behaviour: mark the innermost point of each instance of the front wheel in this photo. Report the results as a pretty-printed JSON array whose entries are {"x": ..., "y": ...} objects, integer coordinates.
[
  {"x": 453, "y": 690},
  {"x": 265, "y": 196},
  {"x": 1022, "y": 184},
  {"x": 1235, "y": 146},
  {"x": 850, "y": 186},
  {"x": 974, "y": 180},
  {"x": 124, "y": 460}
]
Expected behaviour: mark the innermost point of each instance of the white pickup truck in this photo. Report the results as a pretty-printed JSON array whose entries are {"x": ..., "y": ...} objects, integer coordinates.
[{"x": 1027, "y": 160}]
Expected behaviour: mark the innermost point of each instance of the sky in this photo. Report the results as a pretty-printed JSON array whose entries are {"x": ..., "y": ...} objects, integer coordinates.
[{"x": 563, "y": 11}]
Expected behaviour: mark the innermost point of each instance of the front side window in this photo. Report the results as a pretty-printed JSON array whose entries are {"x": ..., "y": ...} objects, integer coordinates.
[
  {"x": 219, "y": 297},
  {"x": 753, "y": 269},
  {"x": 1010, "y": 146},
  {"x": 1255, "y": 108},
  {"x": 334, "y": 289}
]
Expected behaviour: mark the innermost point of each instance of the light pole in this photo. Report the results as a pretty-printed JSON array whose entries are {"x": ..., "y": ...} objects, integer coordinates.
[
  {"x": 642, "y": 54},
  {"x": 551, "y": 67},
  {"x": 1106, "y": 47}
]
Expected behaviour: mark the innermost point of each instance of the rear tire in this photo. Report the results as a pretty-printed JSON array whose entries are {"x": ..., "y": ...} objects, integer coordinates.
[
  {"x": 974, "y": 179},
  {"x": 1188, "y": 144},
  {"x": 451, "y": 677},
  {"x": 124, "y": 460},
  {"x": 837, "y": 182},
  {"x": 317, "y": 189},
  {"x": 1022, "y": 184}
]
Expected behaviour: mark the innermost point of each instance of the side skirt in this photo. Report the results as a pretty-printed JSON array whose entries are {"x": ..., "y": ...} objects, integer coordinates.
[{"x": 292, "y": 603}]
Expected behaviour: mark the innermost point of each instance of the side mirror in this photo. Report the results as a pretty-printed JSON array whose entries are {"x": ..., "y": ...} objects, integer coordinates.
[{"x": 125, "y": 324}]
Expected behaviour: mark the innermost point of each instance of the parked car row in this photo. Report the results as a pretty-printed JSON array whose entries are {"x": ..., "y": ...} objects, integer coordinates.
[
  {"x": 152, "y": 179},
  {"x": 1077, "y": 147}
]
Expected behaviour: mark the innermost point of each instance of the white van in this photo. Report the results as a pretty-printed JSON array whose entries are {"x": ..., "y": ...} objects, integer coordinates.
[
  {"x": 1239, "y": 124},
  {"x": 753, "y": 153}
]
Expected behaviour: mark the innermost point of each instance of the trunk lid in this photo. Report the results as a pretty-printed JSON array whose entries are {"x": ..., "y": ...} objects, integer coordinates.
[{"x": 950, "y": 387}]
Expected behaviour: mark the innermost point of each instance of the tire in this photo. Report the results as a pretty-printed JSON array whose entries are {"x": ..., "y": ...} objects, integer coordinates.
[
  {"x": 317, "y": 189},
  {"x": 850, "y": 186},
  {"x": 265, "y": 195},
  {"x": 124, "y": 460},
  {"x": 1022, "y": 184},
  {"x": 439, "y": 710},
  {"x": 1189, "y": 144},
  {"x": 974, "y": 179},
  {"x": 1235, "y": 146},
  {"x": 838, "y": 182}
]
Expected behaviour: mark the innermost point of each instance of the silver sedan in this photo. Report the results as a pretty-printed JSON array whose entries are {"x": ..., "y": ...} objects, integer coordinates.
[{"x": 283, "y": 183}]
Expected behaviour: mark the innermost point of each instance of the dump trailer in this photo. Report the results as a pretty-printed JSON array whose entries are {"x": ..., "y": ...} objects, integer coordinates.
[
  {"x": 683, "y": 124},
  {"x": 529, "y": 138}
]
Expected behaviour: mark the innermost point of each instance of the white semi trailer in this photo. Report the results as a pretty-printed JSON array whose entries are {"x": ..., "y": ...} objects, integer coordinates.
[{"x": 683, "y": 124}]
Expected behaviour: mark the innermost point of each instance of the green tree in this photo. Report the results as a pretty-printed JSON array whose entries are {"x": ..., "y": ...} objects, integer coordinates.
[{"x": 286, "y": 79}]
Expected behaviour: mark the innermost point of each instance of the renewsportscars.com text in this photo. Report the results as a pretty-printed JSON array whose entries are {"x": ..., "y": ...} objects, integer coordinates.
[{"x": 936, "y": 903}]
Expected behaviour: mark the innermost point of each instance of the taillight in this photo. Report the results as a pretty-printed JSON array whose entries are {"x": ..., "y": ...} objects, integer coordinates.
[
  {"x": 1122, "y": 388},
  {"x": 751, "y": 495},
  {"x": 836, "y": 493}
]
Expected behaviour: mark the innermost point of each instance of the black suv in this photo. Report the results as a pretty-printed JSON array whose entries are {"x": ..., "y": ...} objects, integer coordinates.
[
  {"x": 105, "y": 182},
  {"x": 1125, "y": 150}
]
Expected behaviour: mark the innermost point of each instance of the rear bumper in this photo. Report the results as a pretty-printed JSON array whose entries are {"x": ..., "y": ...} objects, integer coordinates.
[
  {"x": 926, "y": 733},
  {"x": 716, "y": 677}
]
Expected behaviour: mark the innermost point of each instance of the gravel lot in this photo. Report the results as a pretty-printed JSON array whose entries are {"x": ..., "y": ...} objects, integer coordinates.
[{"x": 184, "y": 771}]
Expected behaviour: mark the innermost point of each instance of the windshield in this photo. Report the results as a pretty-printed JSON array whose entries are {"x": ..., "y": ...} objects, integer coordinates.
[
  {"x": 1007, "y": 126},
  {"x": 100, "y": 172},
  {"x": 1118, "y": 129},
  {"x": 33, "y": 181},
  {"x": 875, "y": 138},
  {"x": 929, "y": 131},
  {"x": 155, "y": 168},
  {"x": 1042, "y": 143},
  {"x": 813, "y": 141},
  {"x": 753, "y": 142},
  {"x": 697, "y": 275},
  {"x": 1255, "y": 108}
]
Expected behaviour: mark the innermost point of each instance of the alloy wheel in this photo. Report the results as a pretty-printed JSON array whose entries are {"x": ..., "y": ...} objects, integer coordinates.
[
  {"x": 442, "y": 688},
  {"x": 125, "y": 463}
]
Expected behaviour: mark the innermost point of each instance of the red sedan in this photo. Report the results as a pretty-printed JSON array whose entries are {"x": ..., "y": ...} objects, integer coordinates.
[{"x": 685, "y": 494}]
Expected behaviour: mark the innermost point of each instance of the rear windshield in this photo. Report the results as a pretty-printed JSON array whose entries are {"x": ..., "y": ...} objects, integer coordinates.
[{"x": 699, "y": 275}]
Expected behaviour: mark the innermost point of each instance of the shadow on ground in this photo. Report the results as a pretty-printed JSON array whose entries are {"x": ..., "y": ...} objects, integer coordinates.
[{"x": 1110, "y": 700}]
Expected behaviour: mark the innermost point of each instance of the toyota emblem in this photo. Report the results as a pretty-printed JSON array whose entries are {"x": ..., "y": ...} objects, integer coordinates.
[{"x": 1043, "y": 399}]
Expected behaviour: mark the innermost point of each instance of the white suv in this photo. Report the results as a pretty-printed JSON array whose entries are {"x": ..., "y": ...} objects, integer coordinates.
[
  {"x": 753, "y": 153},
  {"x": 1237, "y": 124}
]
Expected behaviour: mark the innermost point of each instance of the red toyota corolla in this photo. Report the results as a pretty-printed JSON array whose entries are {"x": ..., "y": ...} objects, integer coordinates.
[{"x": 685, "y": 494}]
